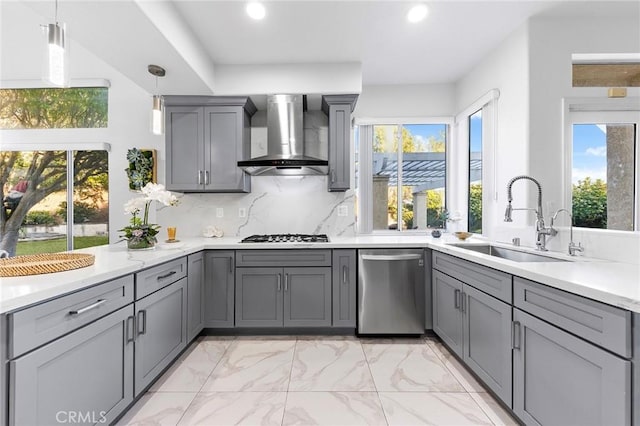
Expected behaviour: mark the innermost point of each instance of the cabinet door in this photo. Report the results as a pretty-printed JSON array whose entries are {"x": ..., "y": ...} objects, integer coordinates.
[
  {"x": 344, "y": 288},
  {"x": 447, "y": 313},
  {"x": 560, "y": 379},
  {"x": 224, "y": 135},
  {"x": 338, "y": 108},
  {"x": 307, "y": 297},
  {"x": 487, "y": 340},
  {"x": 219, "y": 289},
  {"x": 161, "y": 328},
  {"x": 184, "y": 141},
  {"x": 259, "y": 297},
  {"x": 85, "y": 377},
  {"x": 195, "y": 295}
]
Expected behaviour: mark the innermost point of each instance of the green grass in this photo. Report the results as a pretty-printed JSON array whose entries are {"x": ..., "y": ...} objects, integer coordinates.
[{"x": 53, "y": 246}]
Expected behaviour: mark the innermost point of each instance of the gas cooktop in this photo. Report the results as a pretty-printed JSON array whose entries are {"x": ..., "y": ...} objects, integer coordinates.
[{"x": 287, "y": 238}]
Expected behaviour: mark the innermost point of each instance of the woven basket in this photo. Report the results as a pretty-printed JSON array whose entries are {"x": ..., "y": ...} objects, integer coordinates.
[{"x": 45, "y": 263}]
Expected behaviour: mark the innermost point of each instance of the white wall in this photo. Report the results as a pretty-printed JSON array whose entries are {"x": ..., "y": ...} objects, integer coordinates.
[
  {"x": 552, "y": 41},
  {"x": 406, "y": 101},
  {"x": 505, "y": 69}
]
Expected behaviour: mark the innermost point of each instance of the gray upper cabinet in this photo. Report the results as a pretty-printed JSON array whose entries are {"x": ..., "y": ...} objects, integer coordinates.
[
  {"x": 560, "y": 379},
  {"x": 219, "y": 295},
  {"x": 195, "y": 295},
  {"x": 205, "y": 138},
  {"x": 88, "y": 372},
  {"x": 344, "y": 288},
  {"x": 161, "y": 331},
  {"x": 338, "y": 108}
]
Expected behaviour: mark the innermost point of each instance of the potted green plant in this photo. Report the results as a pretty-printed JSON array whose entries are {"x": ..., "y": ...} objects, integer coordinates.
[{"x": 140, "y": 234}]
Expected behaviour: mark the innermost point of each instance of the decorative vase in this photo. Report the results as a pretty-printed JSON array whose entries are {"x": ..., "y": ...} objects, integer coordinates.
[
  {"x": 141, "y": 244},
  {"x": 436, "y": 233}
]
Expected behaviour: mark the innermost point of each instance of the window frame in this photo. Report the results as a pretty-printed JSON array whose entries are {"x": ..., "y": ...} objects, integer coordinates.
[
  {"x": 591, "y": 110},
  {"x": 365, "y": 172}
]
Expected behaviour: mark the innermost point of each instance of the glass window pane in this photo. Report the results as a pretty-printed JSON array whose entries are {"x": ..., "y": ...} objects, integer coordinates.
[
  {"x": 475, "y": 173},
  {"x": 423, "y": 175},
  {"x": 603, "y": 175},
  {"x": 36, "y": 183},
  {"x": 53, "y": 108},
  {"x": 385, "y": 177},
  {"x": 90, "y": 199}
]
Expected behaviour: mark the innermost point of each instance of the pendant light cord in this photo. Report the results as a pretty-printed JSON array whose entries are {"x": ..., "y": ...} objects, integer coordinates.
[{"x": 56, "y": 15}]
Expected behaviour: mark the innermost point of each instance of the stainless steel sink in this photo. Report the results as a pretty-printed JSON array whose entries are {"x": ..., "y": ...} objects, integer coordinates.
[{"x": 506, "y": 253}]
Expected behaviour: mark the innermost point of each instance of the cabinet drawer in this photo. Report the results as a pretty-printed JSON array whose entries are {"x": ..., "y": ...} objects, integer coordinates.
[
  {"x": 39, "y": 324},
  {"x": 295, "y": 257},
  {"x": 160, "y": 276},
  {"x": 602, "y": 324},
  {"x": 495, "y": 283}
]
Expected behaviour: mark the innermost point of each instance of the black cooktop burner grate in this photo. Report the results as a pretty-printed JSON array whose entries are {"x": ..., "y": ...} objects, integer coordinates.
[{"x": 287, "y": 238}]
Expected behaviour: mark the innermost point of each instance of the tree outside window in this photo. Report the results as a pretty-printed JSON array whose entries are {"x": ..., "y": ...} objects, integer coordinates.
[{"x": 34, "y": 183}]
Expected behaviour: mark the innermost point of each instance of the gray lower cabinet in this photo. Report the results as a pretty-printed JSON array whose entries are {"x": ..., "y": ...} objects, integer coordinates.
[
  {"x": 293, "y": 297},
  {"x": 447, "y": 312},
  {"x": 219, "y": 272},
  {"x": 477, "y": 327},
  {"x": 161, "y": 331},
  {"x": 344, "y": 288},
  {"x": 85, "y": 377},
  {"x": 560, "y": 379},
  {"x": 195, "y": 295}
]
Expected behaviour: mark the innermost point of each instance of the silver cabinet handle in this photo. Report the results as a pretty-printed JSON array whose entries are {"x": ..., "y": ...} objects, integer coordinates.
[
  {"x": 333, "y": 176},
  {"x": 463, "y": 299},
  {"x": 142, "y": 315},
  {"x": 130, "y": 326},
  {"x": 230, "y": 264},
  {"x": 456, "y": 299},
  {"x": 393, "y": 257},
  {"x": 88, "y": 308},
  {"x": 206, "y": 177},
  {"x": 279, "y": 282},
  {"x": 515, "y": 335},
  {"x": 286, "y": 282},
  {"x": 199, "y": 177},
  {"x": 162, "y": 277},
  {"x": 344, "y": 275}
]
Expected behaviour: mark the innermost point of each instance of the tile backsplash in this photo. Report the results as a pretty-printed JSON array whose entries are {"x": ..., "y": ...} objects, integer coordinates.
[{"x": 276, "y": 204}]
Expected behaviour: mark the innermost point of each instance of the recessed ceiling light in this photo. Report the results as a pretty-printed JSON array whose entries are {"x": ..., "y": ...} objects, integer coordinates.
[
  {"x": 256, "y": 10},
  {"x": 417, "y": 13}
]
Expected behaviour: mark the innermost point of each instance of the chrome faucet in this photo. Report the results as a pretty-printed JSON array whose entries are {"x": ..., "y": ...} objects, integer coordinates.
[
  {"x": 573, "y": 248},
  {"x": 541, "y": 230}
]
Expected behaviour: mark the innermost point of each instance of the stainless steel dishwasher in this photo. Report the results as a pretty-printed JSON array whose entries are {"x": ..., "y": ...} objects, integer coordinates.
[{"x": 391, "y": 291}]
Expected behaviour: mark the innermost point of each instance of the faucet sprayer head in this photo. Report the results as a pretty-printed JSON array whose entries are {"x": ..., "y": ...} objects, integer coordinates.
[{"x": 507, "y": 213}]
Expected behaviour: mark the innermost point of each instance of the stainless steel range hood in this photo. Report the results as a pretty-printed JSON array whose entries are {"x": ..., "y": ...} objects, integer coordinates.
[{"x": 285, "y": 142}]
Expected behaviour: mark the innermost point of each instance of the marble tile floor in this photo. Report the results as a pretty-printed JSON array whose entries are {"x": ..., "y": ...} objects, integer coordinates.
[{"x": 316, "y": 380}]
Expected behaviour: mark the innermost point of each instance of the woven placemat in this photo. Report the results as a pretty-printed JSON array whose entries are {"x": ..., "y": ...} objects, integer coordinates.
[{"x": 45, "y": 263}]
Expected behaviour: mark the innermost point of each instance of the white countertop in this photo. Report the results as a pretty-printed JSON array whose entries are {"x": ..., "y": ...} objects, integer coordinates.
[{"x": 614, "y": 283}]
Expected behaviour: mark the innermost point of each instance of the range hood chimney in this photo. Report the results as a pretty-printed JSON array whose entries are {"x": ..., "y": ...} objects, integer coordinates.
[{"x": 285, "y": 141}]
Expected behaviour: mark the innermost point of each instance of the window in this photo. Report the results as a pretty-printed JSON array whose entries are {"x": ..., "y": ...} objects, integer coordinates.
[
  {"x": 604, "y": 174},
  {"x": 403, "y": 183},
  {"x": 54, "y": 198},
  {"x": 475, "y": 173}
]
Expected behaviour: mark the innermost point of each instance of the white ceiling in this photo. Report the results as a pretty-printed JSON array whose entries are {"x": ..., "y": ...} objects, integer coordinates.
[{"x": 189, "y": 38}]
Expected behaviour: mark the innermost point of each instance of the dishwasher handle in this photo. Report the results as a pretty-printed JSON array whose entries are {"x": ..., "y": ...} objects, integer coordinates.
[{"x": 391, "y": 257}]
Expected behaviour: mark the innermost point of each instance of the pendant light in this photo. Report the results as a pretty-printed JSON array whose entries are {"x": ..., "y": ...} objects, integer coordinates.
[
  {"x": 56, "y": 63},
  {"x": 157, "y": 112}
]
